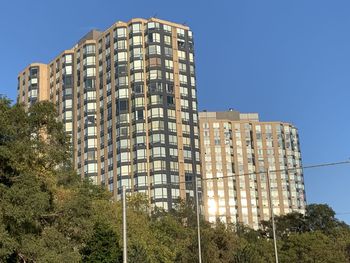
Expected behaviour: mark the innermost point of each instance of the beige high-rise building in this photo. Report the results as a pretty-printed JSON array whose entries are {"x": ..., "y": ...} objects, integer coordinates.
[
  {"x": 236, "y": 152},
  {"x": 127, "y": 97}
]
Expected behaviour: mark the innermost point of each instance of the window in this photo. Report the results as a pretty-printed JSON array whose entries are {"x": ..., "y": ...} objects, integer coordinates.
[
  {"x": 121, "y": 44},
  {"x": 154, "y": 62},
  {"x": 91, "y": 106},
  {"x": 137, "y": 77},
  {"x": 158, "y": 152},
  {"x": 68, "y": 115},
  {"x": 156, "y": 112},
  {"x": 121, "y": 69},
  {"x": 169, "y": 88},
  {"x": 121, "y": 56},
  {"x": 191, "y": 57},
  {"x": 167, "y": 40},
  {"x": 182, "y": 67},
  {"x": 173, "y": 152},
  {"x": 68, "y": 58},
  {"x": 181, "y": 43},
  {"x": 154, "y": 49},
  {"x": 141, "y": 180},
  {"x": 184, "y": 91},
  {"x": 184, "y": 105},
  {"x": 153, "y": 37},
  {"x": 138, "y": 102},
  {"x": 152, "y": 25},
  {"x": 169, "y": 76},
  {"x": 138, "y": 88},
  {"x": 140, "y": 128},
  {"x": 139, "y": 115},
  {"x": 122, "y": 81},
  {"x": 174, "y": 166},
  {"x": 89, "y": 61},
  {"x": 90, "y": 72},
  {"x": 171, "y": 114},
  {"x": 157, "y": 125},
  {"x": 155, "y": 86},
  {"x": 90, "y": 131},
  {"x": 170, "y": 100},
  {"x": 180, "y": 32},
  {"x": 122, "y": 105},
  {"x": 181, "y": 54},
  {"x": 159, "y": 178},
  {"x": 157, "y": 138},
  {"x": 183, "y": 79},
  {"x": 155, "y": 74},
  {"x": 167, "y": 28},
  {"x": 172, "y": 126},
  {"x": 136, "y": 28},
  {"x": 137, "y": 53},
  {"x": 121, "y": 32},
  {"x": 168, "y": 51},
  {"x": 124, "y": 156},
  {"x": 160, "y": 193},
  {"x": 91, "y": 143},
  {"x": 136, "y": 64},
  {"x": 67, "y": 70},
  {"x": 136, "y": 40},
  {"x": 141, "y": 167},
  {"x": 159, "y": 165},
  {"x": 169, "y": 64},
  {"x": 156, "y": 99},
  {"x": 68, "y": 103},
  {"x": 89, "y": 49}
]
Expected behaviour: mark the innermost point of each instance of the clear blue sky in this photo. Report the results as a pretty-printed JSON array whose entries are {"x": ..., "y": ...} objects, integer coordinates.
[{"x": 287, "y": 60}]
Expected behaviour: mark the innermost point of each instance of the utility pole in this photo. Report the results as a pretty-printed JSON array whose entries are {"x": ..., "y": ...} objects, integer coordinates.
[
  {"x": 125, "y": 253},
  {"x": 272, "y": 215},
  {"x": 198, "y": 224}
]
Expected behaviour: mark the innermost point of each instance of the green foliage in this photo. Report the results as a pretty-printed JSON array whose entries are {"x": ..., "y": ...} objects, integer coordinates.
[
  {"x": 102, "y": 246},
  {"x": 47, "y": 214}
]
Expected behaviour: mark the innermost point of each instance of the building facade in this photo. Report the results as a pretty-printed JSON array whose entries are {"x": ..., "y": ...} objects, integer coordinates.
[
  {"x": 127, "y": 98},
  {"x": 236, "y": 152}
]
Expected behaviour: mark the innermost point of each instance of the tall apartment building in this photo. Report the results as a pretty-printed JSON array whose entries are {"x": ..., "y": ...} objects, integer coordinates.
[
  {"x": 236, "y": 152},
  {"x": 127, "y": 97}
]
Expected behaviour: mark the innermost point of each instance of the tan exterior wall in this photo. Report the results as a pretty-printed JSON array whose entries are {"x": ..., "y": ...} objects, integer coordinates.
[
  {"x": 91, "y": 116},
  {"x": 240, "y": 194}
]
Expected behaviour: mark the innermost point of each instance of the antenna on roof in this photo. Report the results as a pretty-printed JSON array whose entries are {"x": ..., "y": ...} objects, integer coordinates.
[
  {"x": 155, "y": 15},
  {"x": 184, "y": 23}
]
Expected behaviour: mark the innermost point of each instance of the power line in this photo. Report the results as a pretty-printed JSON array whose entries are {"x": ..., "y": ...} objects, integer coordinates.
[
  {"x": 343, "y": 213},
  {"x": 271, "y": 171}
]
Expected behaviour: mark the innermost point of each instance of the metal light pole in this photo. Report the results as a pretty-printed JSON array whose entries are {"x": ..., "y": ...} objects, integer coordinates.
[
  {"x": 272, "y": 215},
  {"x": 198, "y": 224},
  {"x": 125, "y": 253}
]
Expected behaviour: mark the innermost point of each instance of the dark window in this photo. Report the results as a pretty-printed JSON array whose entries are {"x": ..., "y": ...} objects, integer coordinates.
[
  {"x": 140, "y": 114},
  {"x": 68, "y": 80},
  {"x": 122, "y": 105},
  {"x": 156, "y": 87},
  {"x": 170, "y": 100},
  {"x": 90, "y": 83},
  {"x": 121, "y": 69},
  {"x": 138, "y": 88},
  {"x": 169, "y": 88},
  {"x": 33, "y": 72}
]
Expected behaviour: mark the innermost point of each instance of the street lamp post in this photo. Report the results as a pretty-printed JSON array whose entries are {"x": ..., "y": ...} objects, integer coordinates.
[
  {"x": 198, "y": 223},
  {"x": 125, "y": 253},
  {"x": 272, "y": 215}
]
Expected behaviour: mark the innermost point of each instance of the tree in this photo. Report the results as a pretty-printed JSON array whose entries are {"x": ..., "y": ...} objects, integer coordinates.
[
  {"x": 311, "y": 247},
  {"x": 320, "y": 217},
  {"x": 47, "y": 214},
  {"x": 102, "y": 246}
]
